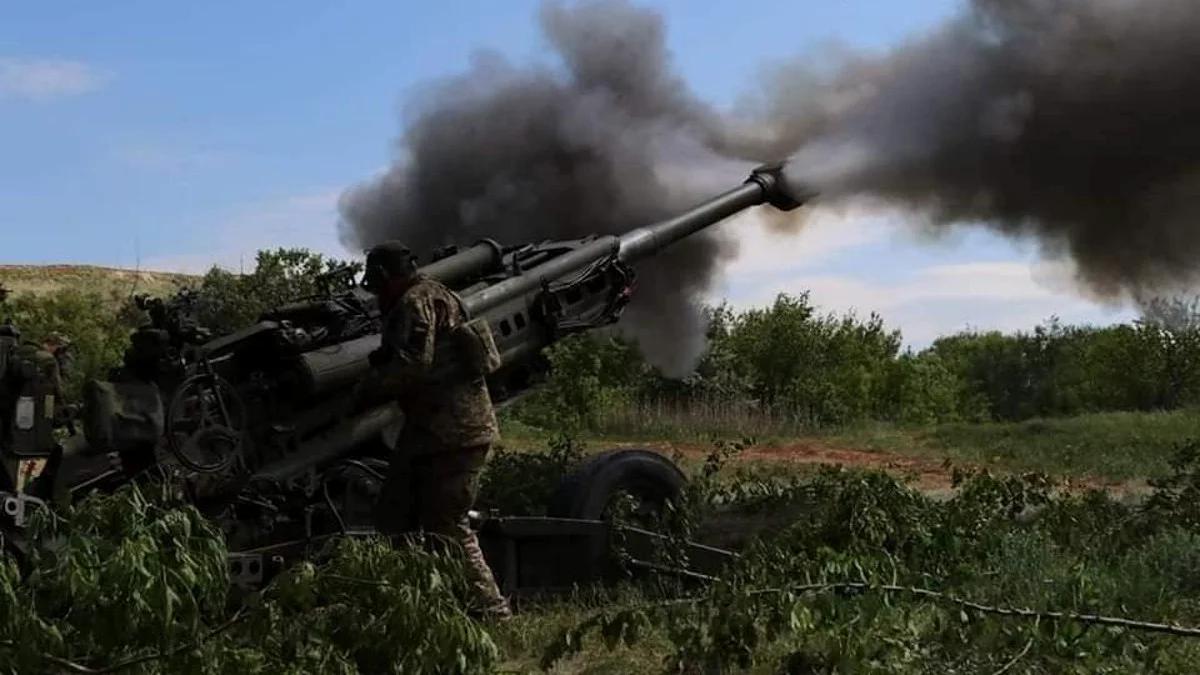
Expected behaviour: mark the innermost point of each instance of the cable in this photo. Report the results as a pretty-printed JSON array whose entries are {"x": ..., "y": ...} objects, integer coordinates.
[
  {"x": 362, "y": 465},
  {"x": 332, "y": 508}
]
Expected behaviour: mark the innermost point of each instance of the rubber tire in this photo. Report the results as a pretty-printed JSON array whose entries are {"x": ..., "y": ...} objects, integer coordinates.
[{"x": 586, "y": 492}]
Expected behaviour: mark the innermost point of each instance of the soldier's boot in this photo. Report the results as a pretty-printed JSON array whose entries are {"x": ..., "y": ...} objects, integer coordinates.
[{"x": 493, "y": 604}]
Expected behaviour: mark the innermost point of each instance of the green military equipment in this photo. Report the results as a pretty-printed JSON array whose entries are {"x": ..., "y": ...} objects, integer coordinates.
[{"x": 264, "y": 419}]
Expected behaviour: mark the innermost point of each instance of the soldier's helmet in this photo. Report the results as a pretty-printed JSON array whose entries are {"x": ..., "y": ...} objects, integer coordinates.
[
  {"x": 56, "y": 340},
  {"x": 389, "y": 260}
]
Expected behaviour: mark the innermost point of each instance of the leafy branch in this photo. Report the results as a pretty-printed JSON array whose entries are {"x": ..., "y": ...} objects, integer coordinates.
[{"x": 75, "y": 667}]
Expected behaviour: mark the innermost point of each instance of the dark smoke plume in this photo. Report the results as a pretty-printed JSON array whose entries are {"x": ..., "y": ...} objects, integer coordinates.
[
  {"x": 1074, "y": 121},
  {"x": 591, "y": 146}
]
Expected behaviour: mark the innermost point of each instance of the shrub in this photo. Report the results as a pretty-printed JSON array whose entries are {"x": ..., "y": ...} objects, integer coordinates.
[
  {"x": 876, "y": 577},
  {"x": 230, "y": 301},
  {"x": 99, "y": 335},
  {"x": 590, "y": 376},
  {"x": 519, "y": 483},
  {"x": 922, "y": 390},
  {"x": 136, "y": 581}
]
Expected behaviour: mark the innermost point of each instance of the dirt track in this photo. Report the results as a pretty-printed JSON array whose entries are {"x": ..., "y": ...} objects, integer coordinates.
[{"x": 927, "y": 474}]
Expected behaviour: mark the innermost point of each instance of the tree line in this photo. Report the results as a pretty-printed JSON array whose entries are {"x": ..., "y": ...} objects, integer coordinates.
[
  {"x": 790, "y": 360},
  {"x": 822, "y": 370}
]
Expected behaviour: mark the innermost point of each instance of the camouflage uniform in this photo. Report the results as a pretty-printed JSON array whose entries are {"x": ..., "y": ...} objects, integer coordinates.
[
  {"x": 33, "y": 371},
  {"x": 449, "y": 429},
  {"x": 48, "y": 367}
]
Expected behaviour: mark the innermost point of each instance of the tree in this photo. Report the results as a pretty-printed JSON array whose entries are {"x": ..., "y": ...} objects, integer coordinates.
[
  {"x": 98, "y": 334},
  {"x": 824, "y": 369},
  {"x": 231, "y": 301}
]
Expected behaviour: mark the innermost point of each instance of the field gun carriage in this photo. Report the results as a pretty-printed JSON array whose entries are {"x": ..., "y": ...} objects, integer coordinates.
[{"x": 262, "y": 429}]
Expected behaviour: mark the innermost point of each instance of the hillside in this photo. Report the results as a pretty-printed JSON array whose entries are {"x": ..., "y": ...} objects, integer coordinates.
[{"x": 108, "y": 280}]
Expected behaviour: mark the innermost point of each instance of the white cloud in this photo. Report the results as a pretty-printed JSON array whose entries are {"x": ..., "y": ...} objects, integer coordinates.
[
  {"x": 305, "y": 220},
  {"x": 765, "y": 250},
  {"x": 48, "y": 79},
  {"x": 1014, "y": 293}
]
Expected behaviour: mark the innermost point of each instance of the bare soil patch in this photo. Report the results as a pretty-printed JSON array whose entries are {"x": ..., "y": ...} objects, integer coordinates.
[{"x": 928, "y": 474}]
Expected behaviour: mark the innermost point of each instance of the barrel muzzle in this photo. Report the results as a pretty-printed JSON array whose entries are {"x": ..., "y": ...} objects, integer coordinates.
[{"x": 776, "y": 190}]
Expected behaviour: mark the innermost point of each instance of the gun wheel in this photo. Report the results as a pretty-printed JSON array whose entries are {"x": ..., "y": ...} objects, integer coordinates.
[
  {"x": 205, "y": 424},
  {"x": 628, "y": 484}
]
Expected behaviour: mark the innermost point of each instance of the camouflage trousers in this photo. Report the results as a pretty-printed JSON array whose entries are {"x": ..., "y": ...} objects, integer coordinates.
[{"x": 430, "y": 488}]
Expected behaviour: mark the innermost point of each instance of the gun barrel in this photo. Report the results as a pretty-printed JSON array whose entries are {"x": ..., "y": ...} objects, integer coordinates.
[
  {"x": 646, "y": 241},
  {"x": 496, "y": 295},
  {"x": 765, "y": 185},
  {"x": 484, "y": 256}
]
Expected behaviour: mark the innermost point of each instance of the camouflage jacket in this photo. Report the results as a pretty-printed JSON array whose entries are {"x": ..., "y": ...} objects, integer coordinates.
[
  {"x": 44, "y": 366},
  {"x": 457, "y": 410}
]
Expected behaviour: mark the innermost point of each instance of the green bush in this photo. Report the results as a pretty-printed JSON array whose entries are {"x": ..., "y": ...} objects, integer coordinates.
[
  {"x": 821, "y": 369},
  {"x": 137, "y": 581},
  {"x": 517, "y": 483},
  {"x": 99, "y": 335},
  {"x": 786, "y": 361},
  {"x": 923, "y": 390},
  {"x": 228, "y": 301},
  {"x": 591, "y": 375},
  {"x": 876, "y": 577},
  {"x": 1057, "y": 370}
]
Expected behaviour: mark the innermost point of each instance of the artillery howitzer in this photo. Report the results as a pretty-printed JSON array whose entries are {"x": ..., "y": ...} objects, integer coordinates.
[{"x": 260, "y": 426}]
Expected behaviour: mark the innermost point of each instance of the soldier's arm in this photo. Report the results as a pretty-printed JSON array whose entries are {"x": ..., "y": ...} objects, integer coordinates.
[{"x": 408, "y": 339}]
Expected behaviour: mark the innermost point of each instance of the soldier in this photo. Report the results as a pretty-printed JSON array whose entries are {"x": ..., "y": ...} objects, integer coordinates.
[
  {"x": 50, "y": 359},
  {"x": 31, "y": 408},
  {"x": 59, "y": 346},
  {"x": 449, "y": 422}
]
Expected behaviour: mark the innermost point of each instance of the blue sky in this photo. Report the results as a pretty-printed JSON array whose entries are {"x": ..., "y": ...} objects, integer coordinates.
[{"x": 175, "y": 135}]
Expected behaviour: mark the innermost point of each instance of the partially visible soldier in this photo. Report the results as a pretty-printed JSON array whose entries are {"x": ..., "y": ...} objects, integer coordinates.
[
  {"x": 32, "y": 405},
  {"x": 59, "y": 346},
  {"x": 449, "y": 421},
  {"x": 49, "y": 360}
]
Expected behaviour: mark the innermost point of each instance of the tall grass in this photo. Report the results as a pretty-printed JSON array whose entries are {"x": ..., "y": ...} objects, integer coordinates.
[
  {"x": 1117, "y": 446},
  {"x": 699, "y": 419}
]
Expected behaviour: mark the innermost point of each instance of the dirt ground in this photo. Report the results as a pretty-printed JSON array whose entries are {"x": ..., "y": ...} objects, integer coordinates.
[{"x": 927, "y": 474}]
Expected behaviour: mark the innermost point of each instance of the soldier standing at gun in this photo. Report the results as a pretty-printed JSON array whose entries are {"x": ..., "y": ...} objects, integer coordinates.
[
  {"x": 31, "y": 401},
  {"x": 449, "y": 421}
]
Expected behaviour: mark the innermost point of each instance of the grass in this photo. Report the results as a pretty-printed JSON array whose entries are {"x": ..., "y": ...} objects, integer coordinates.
[
  {"x": 1110, "y": 447},
  {"x": 698, "y": 420},
  {"x": 1114, "y": 446},
  {"x": 522, "y": 639}
]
